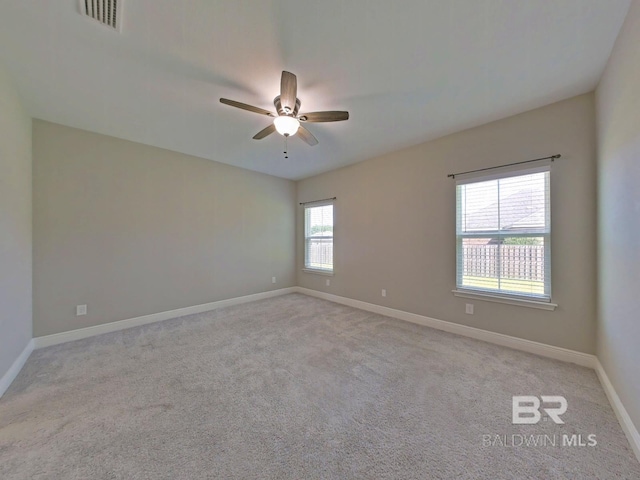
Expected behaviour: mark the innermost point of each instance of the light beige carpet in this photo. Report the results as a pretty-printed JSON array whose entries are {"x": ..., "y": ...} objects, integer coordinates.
[{"x": 298, "y": 388}]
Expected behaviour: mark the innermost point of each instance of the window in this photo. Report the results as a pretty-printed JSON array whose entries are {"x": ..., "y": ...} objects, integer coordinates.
[
  {"x": 318, "y": 237},
  {"x": 503, "y": 234}
]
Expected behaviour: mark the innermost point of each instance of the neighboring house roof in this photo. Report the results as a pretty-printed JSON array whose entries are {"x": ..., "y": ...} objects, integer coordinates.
[{"x": 522, "y": 209}]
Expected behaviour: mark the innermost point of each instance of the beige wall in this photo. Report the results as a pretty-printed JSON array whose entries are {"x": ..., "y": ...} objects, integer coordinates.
[
  {"x": 15, "y": 225},
  {"x": 132, "y": 230},
  {"x": 395, "y": 224},
  {"x": 618, "y": 107}
]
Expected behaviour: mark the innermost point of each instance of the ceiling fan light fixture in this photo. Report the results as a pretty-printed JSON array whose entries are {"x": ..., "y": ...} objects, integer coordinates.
[
  {"x": 287, "y": 122},
  {"x": 285, "y": 125}
]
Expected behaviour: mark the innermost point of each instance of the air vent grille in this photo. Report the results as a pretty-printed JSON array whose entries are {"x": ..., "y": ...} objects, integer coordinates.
[{"x": 107, "y": 12}]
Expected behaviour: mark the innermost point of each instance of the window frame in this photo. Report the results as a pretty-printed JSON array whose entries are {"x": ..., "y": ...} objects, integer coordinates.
[
  {"x": 537, "y": 301},
  {"x": 311, "y": 269}
]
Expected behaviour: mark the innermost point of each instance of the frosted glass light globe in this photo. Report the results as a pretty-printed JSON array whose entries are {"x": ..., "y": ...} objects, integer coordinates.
[{"x": 286, "y": 125}]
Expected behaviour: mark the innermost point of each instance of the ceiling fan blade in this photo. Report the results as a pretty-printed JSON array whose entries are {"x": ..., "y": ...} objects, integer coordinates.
[
  {"x": 265, "y": 132},
  {"x": 244, "y": 106},
  {"x": 324, "y": 116},
  {"x": 306, "y": 135},
  {"x": 288, "y": 91}
]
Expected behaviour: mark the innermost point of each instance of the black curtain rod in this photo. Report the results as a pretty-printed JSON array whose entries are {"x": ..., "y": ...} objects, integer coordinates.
[
  {"x": 552, "y": 158},
  {"x": 316, "y": 201}
]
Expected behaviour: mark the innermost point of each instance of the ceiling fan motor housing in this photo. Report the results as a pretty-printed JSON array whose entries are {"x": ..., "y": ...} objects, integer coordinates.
[{"x": 280, "y": 109}]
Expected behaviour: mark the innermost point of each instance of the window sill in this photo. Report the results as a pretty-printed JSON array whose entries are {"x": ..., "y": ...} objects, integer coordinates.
[
  {"x": 328, "y": 273},
  {"x": 542, "y": 305}
]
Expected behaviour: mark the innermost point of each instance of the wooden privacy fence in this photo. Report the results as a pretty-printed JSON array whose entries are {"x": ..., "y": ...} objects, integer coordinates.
[
  {"x": 320, "y": 251},
  {"x": 524, "y": 262}
]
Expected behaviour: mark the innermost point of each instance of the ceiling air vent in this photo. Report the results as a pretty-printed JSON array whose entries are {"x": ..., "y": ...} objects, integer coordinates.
[{"x": 107, "y": 12}]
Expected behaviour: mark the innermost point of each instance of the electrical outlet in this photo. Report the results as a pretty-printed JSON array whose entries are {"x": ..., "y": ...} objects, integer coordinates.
[
  {"x": 328, "y": 282},
  {"x": 469, "y": 309},
  {"x": 81, "y": 310},
  {"x": 384, "y": 292},
  {"x": 273, "y": 279}
]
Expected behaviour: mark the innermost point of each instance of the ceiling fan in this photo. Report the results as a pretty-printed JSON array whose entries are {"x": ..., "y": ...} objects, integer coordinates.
[{"x": 287, "y": 121}]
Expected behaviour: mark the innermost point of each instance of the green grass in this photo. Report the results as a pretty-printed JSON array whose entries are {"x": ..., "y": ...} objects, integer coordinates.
[
  {"x": 508, "y": 284},
  {"x": 320, "y": 266}
]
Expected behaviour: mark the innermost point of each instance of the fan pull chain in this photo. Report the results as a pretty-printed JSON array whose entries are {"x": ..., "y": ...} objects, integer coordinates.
[{"x": 285, "y": 147}]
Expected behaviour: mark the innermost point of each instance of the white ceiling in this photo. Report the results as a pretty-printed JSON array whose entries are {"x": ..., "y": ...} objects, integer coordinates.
[{"x": 407, "y": 71}]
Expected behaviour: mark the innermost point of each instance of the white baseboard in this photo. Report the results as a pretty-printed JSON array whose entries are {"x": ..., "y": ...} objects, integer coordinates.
[
  {"x": 15, "y": 368},
  {"x": 64, "y": 337},
  {"x": 558, "y": 353},
  {"x": 626, "y": 423}
]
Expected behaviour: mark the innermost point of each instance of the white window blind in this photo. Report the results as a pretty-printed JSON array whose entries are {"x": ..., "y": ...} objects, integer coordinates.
[
  {"x": 503, "y": 234},
  {"x": 318, "y": 236}
]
